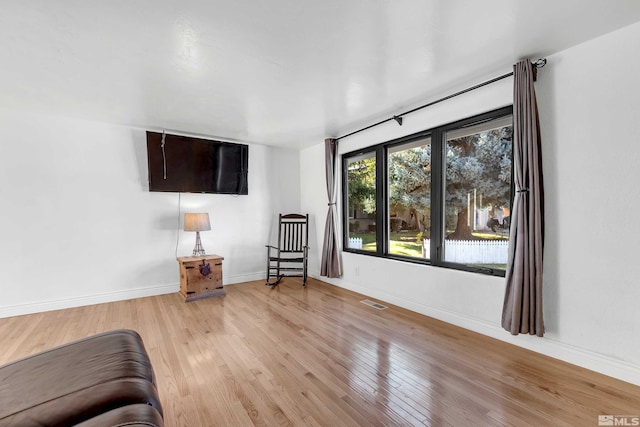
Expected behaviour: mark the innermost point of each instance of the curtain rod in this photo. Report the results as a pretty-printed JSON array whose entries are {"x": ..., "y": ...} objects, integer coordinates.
[{"x": 398, "y": 118}]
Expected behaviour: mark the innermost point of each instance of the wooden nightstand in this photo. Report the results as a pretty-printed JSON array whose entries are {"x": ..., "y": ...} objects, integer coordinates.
[{"x": 200, "y": 277}]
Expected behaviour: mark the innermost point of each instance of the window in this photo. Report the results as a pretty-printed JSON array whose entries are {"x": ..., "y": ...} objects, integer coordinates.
[
  {"x": 477, "y": 193},
  {"x": 409, "y": 184},
  {"x": 443, "y": 195},
  {"x": 361, "y": 201}
]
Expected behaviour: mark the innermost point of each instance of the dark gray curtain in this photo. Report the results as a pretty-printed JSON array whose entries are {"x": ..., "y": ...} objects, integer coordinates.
[
  {"x": 522, "y": 310},
  {"x": 330, "y": 266}
]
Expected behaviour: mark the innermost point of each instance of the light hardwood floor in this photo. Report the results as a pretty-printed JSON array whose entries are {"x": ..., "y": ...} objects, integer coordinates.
[{"x": 317, "y": 356}]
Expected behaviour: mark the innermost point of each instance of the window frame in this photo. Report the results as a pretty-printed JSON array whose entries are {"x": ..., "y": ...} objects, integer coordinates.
[{"x": 437, "y": 221}]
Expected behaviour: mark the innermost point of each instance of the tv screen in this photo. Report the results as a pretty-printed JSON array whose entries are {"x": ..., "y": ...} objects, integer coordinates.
[{"x": 194, "y": 165}]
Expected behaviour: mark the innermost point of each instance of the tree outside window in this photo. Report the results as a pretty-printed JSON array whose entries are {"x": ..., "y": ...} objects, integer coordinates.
[{"x": 409, "y": 197}]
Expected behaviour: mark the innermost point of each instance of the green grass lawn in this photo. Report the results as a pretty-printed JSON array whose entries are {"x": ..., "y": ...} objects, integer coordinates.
[
  {"x": 405, "y": 244},
  {"x": 401, "y": 243},
  {"x": 406, "y": 248}
]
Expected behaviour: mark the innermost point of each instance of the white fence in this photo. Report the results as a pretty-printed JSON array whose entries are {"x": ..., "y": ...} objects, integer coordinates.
[
  {"x": 472, "y": 251},
  {"x": 462, "y": 251},
  {"x": 355, "y": 243}
]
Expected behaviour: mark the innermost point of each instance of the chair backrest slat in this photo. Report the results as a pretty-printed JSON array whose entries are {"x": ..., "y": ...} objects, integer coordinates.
[{"x": 293, "y": 232}]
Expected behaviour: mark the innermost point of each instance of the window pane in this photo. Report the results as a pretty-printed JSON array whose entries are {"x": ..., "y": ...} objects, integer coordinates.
[
  {"x": 410, "y": 199},
  {"x": 478, "y": 194},
  {"x": 361, "y": 187}
]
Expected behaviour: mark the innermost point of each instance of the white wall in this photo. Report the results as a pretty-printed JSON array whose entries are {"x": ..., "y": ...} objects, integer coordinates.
[
  {"x": 79, "y": 225},
  {"x": 588, "y": 101}
]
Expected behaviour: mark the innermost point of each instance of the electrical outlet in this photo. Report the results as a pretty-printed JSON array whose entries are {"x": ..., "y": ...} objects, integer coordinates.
[{"x": 356, "y": 271}]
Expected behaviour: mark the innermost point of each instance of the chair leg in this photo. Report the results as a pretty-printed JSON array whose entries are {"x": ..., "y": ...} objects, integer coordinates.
[
  {"x": 268, "y": 266},
  {"x": 304, "y": 274},
  {"x": 304, "y": 269},
  {"x": 278, "y": 276}
]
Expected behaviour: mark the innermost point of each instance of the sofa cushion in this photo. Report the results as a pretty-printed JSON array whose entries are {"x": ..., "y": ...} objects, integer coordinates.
[
  {"x": 77, "y": 381},
  {"x": 131, "y": 416}
]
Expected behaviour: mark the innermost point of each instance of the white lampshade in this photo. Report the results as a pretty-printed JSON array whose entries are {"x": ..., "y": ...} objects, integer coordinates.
[{"x": 196, "y": 222}]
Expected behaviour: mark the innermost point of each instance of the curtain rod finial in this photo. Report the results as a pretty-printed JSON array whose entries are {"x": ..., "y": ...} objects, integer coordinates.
[
  {"x": 540, "y": 63},
  {"x": 398, "y": 119}
]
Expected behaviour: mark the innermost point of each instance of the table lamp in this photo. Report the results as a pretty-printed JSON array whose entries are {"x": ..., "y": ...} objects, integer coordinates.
[{"x": 197, "y": 222}]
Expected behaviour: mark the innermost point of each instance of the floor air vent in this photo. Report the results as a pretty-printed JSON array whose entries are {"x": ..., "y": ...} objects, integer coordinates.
[{"x": 373, "y": 304}]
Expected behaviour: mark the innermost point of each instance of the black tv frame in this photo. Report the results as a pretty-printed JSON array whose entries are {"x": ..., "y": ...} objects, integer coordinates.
[{"x": 185, "y": 164}]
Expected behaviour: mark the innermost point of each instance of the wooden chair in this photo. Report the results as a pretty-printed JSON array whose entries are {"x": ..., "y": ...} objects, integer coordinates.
[{"x": 289, "y": 258}]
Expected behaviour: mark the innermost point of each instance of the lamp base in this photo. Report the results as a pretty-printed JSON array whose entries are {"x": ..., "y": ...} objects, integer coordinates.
[{"x": 198, "y": 250}]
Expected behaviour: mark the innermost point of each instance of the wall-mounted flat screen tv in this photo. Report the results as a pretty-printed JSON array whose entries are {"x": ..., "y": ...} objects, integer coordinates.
[{"x": 194, "y": 165}]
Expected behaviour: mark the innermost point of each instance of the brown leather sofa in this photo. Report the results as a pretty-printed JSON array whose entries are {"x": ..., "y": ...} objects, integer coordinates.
[{"x": 102, "y": 380}]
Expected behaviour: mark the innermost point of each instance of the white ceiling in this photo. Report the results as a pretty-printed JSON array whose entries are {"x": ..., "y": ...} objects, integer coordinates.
[{"x": 276, "y": 72}]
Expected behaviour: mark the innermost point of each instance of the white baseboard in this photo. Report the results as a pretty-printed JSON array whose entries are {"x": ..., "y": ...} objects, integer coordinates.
[
  {"x": 587, "y": 359},
  {"x": 241, "y": 278},
  {"x": 59, "y": 304}
]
